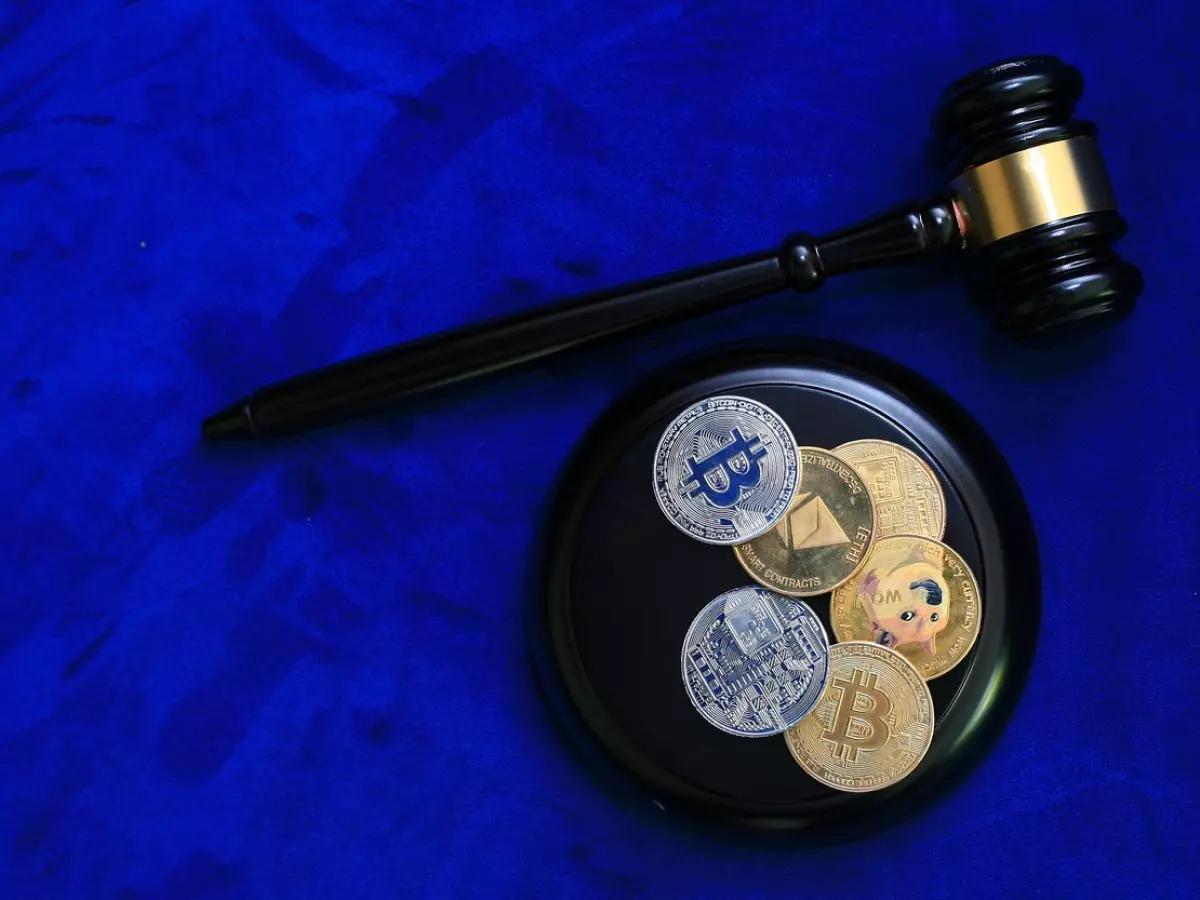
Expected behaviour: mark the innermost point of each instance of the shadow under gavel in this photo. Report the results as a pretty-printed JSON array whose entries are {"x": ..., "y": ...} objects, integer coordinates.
[{"x": 1028, "y": 203}]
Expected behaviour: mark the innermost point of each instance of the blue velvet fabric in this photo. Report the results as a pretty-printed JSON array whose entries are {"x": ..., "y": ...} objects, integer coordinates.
[{"x": 300, "y": 669}]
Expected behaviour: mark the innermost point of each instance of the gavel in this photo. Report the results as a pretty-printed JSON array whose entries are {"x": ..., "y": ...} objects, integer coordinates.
[{"x": 1029, "y": 204}]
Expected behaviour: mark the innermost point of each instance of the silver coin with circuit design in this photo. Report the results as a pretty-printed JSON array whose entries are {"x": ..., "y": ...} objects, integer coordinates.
[{"x": 754, "y": 662}]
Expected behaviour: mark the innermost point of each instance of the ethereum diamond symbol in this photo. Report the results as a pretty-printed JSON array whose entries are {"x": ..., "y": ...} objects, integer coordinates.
[{"x": 810, "y": 524}]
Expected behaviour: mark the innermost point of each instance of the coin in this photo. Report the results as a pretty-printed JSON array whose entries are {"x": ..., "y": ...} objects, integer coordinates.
[
  {"x": 726, "y": 470},
  {"x": 914, "y": 595},
  {"x": 908, "y": 496},
  {"x": 754, "y": 662},
  {"x": 872, "y": 726},
  {"x": 824, "y": 538}
]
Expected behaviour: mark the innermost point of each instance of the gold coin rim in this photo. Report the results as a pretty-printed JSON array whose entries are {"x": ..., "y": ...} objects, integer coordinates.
[
  {"x": 847, "y": 651},
  {"x": 833, "y": 601},
  {"x": 824, "y": 589},
  {"x": 926, "y": 467}
]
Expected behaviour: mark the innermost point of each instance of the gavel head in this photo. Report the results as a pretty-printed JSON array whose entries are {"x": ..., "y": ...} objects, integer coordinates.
[{"x": 1033, "y": 198}]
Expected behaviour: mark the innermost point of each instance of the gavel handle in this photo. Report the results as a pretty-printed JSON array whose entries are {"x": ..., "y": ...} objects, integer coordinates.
[{"x": 356, "y": 386}]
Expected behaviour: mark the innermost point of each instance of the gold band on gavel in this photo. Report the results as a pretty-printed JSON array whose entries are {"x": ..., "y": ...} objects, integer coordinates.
[{"x": 1032, "y": 187}]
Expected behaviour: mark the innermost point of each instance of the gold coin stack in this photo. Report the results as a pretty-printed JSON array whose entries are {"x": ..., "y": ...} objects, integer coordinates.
[{"x": 866, "y": 528}]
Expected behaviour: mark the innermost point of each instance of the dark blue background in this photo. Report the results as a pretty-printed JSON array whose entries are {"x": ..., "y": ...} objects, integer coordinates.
[{"x": 299, "y": 670}]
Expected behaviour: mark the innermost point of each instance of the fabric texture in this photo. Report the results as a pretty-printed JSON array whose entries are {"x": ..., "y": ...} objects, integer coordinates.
[{"x": 298, "y": 669}]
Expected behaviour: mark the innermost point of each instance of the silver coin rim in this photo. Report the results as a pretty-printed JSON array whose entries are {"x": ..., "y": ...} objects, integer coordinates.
[
  {"x": 658, "y": 450},
  {"x": 687, "y": 640}
]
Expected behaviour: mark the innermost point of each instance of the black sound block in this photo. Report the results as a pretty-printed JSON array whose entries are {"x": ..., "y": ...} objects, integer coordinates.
[{"x": 621, "y": 585}]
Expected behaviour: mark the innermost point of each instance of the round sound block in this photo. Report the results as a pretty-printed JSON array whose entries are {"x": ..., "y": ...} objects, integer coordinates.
[{"x": 621, "y": 585}]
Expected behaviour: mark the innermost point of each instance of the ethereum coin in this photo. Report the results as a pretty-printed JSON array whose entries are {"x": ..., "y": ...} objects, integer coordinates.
[
  {"x": 824, "y": 538},
  {"x": 754, "y": 663},
  {"x": 725, "y": 470},
  {"x": 873, "y": 725},
  {"x": 908, "y": 497},
  {"x": 914, "y": 595}
]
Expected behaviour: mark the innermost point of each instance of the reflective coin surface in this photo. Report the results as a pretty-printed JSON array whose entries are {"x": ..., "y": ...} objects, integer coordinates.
[
  {"x": 872, "y": 726},
  {"x": 726, "y": 470},
  {"x": 824, "y": 538},
  {"x": 915, "y": 595},
  {"x": 908, "y": 496},
  {"x": 754, "y": 662}
]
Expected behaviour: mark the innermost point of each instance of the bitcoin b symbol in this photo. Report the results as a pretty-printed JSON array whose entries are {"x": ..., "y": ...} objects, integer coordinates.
[
  {"x": 848, "y": 733},
  {"x": 728, "y": 471}
]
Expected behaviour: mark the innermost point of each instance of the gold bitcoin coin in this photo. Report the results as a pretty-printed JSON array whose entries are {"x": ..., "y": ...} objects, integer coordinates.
[
  {"x": 824, "y": 538},
  {"x": 916, "y": 596},
  {"x": 908, "y": 496},
  {"x": 872, "y": 725}
]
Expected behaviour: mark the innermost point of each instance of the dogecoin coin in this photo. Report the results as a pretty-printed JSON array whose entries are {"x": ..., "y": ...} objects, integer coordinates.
[
  {"x": 754, "y": 663},
  {"x": 908, "y": 496},
  {"x": 873, "y": 725},
  {"x": 914, "y": 595},
  {"x": 726, "y": 470},
  {"x": 824, "y": 538}
]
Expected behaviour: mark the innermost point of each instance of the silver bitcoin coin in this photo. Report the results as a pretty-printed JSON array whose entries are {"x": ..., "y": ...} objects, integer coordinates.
[
  {"x": 754, "y": 662},
  {"x": 726, "y": 470}
]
